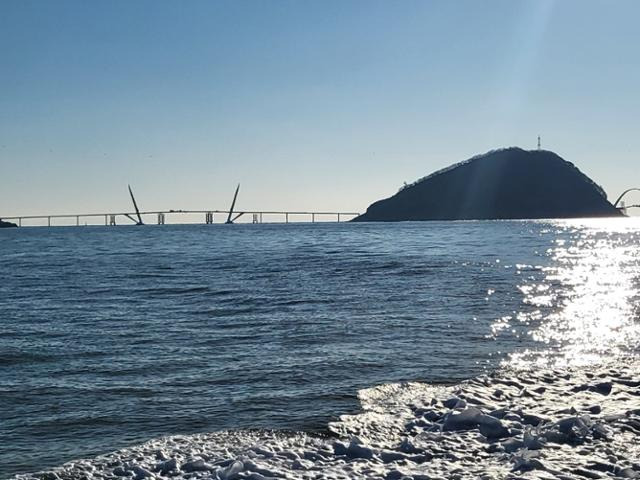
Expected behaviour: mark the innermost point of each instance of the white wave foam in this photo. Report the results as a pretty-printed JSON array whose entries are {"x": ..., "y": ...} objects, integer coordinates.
[{"x": 564, "y": 424}]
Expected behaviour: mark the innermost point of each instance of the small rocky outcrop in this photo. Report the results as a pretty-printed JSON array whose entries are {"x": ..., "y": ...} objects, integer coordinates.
[{"x": 6, "y": 224}]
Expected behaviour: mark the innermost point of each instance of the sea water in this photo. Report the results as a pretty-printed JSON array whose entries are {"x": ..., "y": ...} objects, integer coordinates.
[{"x": 259, "y": 336}]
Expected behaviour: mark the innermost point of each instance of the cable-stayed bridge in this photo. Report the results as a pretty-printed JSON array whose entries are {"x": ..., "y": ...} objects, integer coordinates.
[
  {"x": 209, "y": 216},
  {"x": 160, "y": 216}
]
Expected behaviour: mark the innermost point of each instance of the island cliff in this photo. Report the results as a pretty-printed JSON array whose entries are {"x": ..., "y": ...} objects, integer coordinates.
[
  {"x": 6, "y": 224},
  {"x": 502, "y": 184}
]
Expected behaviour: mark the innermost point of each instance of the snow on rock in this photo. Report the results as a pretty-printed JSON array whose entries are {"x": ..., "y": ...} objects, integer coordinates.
[{"x": 545, "y": 424}]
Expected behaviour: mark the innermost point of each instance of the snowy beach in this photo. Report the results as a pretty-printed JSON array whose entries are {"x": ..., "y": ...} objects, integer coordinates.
[{"x": 543, "y": 424}]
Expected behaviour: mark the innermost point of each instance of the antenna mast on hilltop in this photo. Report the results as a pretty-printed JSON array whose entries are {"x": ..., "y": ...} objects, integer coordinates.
[{"x": 539, "y": 143}]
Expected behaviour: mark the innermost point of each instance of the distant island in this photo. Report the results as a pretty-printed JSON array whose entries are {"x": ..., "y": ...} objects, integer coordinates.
[
  {"x": 509, "y": 183},
  {"x": 6, "y": 224}
]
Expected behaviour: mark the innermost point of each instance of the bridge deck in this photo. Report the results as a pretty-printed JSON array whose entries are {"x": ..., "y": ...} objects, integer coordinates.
[{"x": 160, "y": 214}]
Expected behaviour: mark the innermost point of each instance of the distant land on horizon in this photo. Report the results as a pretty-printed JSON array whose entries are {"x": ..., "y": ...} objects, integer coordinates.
[
  {"x": 509, "y": 183},
  {"x": 4, "y": 224}
]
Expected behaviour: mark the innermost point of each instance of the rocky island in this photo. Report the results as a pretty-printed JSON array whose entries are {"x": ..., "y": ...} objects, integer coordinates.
[
  {"x": 510, "y": 183},
  {"x": 6, "y": 224}
]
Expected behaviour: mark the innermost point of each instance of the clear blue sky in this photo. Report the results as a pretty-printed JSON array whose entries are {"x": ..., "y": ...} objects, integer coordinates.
[{"x": 310, "y": 105}]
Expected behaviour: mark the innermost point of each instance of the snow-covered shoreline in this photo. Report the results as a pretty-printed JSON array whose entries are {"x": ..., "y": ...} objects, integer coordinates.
[{"x": 564, "y": 423}]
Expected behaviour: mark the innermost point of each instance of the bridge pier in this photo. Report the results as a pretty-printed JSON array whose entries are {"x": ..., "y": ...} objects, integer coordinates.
[
  {"x": 48, "y": 221},
  {"x": 112, "y": 220},
  {"x": 77, "y": 220},
  {"x": 208, "y": 218},
  {"x": 161, "y": 219},
  {"x": 20, "y": 222},
  {"x": 286, "y": 217},
  {"x": 313, "y": 218},
  {"x": 338, "y": 218}
]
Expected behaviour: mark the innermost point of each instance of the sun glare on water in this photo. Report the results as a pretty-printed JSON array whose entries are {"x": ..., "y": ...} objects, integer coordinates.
[{"x": 585, "y": 309}]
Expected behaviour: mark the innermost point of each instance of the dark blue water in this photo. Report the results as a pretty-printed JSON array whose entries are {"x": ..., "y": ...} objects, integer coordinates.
[{"x": 110, "y": 336}]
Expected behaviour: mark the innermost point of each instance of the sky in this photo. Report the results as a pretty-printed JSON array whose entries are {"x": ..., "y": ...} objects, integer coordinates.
[{"x": 310, "y": 105}]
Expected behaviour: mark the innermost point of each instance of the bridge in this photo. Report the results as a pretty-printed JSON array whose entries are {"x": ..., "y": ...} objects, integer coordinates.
[
  {"x": 208, "y": 215},
  {"x": 624, "y": 207},
  {"x": 231, "y": 215}
]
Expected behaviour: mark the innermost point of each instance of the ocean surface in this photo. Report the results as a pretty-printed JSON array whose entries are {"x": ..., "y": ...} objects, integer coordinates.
[{"x": 112, "y": 336}]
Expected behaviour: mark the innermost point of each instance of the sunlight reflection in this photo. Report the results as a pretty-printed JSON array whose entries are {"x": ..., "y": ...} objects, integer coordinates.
[{"x": 586, "y": 306}]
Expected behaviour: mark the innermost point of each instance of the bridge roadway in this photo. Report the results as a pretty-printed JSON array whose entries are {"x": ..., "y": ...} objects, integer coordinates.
[{"x": 110, "y": 218}]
